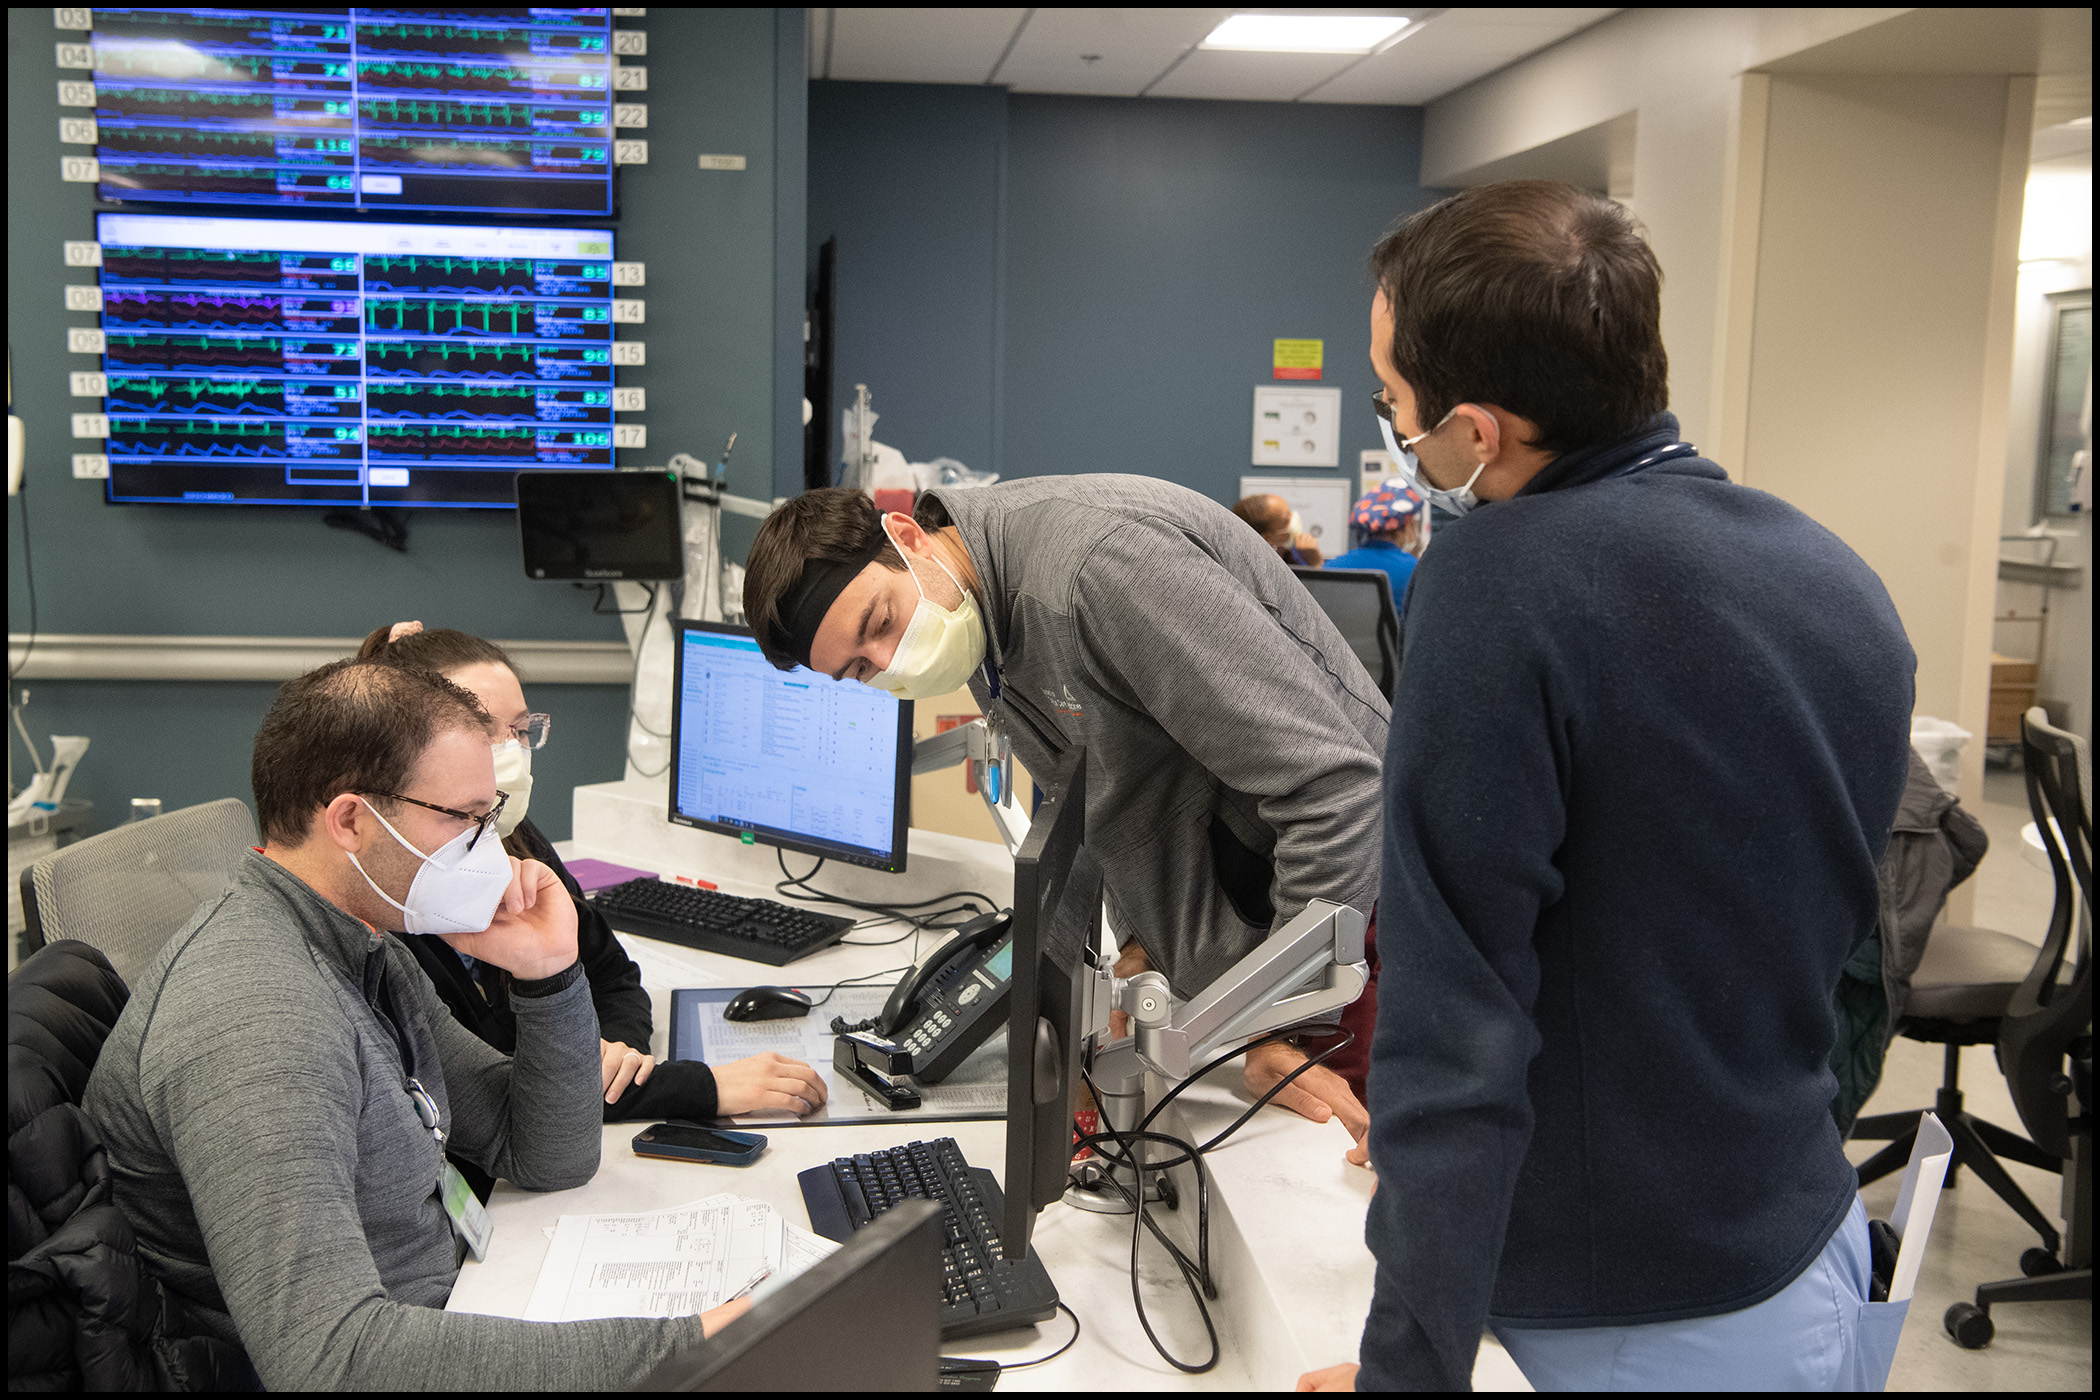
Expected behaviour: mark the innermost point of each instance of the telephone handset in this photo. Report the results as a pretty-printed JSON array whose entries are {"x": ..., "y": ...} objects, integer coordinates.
[{"x": 955, "y": 999}]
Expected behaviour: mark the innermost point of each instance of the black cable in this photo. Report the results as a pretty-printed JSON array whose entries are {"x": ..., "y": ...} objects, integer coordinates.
[
  {"x": 810, "y": 894},
  {"x": 598, "y": 603},
  {"x": 29, "y": 574},
  {"x": 1198, "y": 1282},
  {"x": 1124, "y": 1154},
  {"x": 1045, "y": 1360},
  {"x": 833, "y": 990}
]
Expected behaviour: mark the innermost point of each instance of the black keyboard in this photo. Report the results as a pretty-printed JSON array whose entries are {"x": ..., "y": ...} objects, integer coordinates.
[
  {"x": 759, "y": 929},
  {"x": 982, "y": 1290}
]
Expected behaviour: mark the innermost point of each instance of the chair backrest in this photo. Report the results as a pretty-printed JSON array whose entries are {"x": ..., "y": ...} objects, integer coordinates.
[
  {"x": 127, "y": 890},
  {"x": 2047, "y": 1015},
  {"x": 1360, "y": 603}
]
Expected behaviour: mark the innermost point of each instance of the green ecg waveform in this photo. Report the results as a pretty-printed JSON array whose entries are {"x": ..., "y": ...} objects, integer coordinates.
[
  {"x": 441, "y": 430},
  {"x": 472, "y": 349},
  {"x": 394, "y": 109},
  {"x": 197, "y": 388},
  {"x": 464, "y": 313},
  {"x": 388, "y": 68},
  {"x": 466, "y": 391},
  {"x": 380, "y": 262},
  {"x": 189, "y": 255}
]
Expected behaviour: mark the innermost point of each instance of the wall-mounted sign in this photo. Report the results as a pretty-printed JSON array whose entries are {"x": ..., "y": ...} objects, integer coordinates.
[
  {"x": 1296, "y": 427},
  {"x": 1298, "y": 359}
]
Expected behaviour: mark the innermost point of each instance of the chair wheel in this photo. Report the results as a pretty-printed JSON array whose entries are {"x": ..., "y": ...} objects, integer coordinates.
[
  {"x": 2038, "y": 1261},
  {"x": 1970, "y": 1326}
]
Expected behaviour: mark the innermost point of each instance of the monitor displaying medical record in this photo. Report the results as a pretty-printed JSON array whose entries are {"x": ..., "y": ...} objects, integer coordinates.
[{"x": 793, "y": 758}]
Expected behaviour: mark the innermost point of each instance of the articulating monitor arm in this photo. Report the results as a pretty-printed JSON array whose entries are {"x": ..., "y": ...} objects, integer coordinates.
[
  {"x": 1313, "y": 964},
  {"x": 991, "y": 760}
]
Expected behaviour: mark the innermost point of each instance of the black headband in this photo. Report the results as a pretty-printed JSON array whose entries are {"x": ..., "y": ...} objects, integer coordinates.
[{"x": 801, "y": 611}]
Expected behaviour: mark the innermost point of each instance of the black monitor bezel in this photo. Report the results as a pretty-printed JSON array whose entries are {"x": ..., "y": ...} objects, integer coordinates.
[
  {"x": 787, "y": 840},
  {"x": 1039, "y": 1118},
  {"x": 669, "y": 562}
]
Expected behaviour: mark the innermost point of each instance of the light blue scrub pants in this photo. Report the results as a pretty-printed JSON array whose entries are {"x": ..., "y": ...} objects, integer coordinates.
[{"x": 1820, "y": 1332}]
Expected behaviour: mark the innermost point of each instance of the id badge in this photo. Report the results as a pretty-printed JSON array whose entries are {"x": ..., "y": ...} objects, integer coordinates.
[{"x": 469, "y": 1217}]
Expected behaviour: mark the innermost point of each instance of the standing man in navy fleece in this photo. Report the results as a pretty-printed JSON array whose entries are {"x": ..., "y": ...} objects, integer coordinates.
[{"x": 1649, "y": 734}]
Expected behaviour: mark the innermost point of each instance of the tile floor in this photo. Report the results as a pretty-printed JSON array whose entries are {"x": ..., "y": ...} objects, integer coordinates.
[{"x": 1976, "y": 1238}]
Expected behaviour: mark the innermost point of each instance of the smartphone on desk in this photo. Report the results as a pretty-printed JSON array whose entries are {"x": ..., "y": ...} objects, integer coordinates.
[{"x": 688, "y": 1142}]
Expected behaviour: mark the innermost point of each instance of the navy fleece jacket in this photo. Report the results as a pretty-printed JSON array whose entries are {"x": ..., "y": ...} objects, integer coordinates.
[{"x": 1650, "y": 732}]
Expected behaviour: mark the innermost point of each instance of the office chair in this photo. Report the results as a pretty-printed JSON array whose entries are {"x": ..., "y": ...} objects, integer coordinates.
[
  {"x": 1960, "y": 995},
  {"x": 1360, "y": 603},
  {"x": 127, "y": 890},
  {"x": 2045, "y": 1036}
]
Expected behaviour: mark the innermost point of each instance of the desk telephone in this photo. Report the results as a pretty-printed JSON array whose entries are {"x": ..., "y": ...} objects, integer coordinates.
[{"x": 952, "y": 1002}]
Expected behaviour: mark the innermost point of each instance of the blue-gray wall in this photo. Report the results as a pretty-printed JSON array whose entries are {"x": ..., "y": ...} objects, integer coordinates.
[
  {"x": 725, "y": 256},
  {"x": 1040, "y": 285}
]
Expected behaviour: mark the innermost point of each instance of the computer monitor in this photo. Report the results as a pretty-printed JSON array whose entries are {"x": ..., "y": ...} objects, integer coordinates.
[
  {"x": 1057, "y": 924},
  {"x": 866, "y": 1318},
  {"x": 329, "y": 363},
  {"x": 792, "y": 758},
  {"x": 600, "y": 525},
  {"x": 466, "y": 110}
]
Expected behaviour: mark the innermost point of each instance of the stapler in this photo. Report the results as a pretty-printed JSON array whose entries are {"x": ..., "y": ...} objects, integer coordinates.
[{"x": 880, "y": 1066}]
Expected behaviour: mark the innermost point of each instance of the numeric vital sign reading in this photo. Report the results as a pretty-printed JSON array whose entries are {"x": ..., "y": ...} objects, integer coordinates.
[
  {"x": 467, "y": 110},
  {"x": 276, "y": 362}
]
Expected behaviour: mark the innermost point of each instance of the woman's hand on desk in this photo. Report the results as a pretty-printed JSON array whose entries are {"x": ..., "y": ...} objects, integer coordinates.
[
  {"x": 622, "y": 1065},
  {"x": 1318, "y": 1094},
  {"x": 1341, "y": 1377},
  {"x": 767, "y": 1083}
]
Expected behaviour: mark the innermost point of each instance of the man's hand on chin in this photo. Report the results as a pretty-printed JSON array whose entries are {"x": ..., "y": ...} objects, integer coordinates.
[{"x": 534, "y": 932}]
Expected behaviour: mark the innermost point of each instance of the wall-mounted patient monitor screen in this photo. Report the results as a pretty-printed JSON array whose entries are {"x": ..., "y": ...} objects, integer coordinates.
[
  {"x": 317, "y": 362},
  {"x": 463, "y": 110},
  {"x": 793, "y": 758}
]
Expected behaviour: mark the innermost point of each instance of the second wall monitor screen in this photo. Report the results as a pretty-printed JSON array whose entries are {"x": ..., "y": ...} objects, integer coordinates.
[
  {"x": 463, "y": 110},
  {"x": 795, "y": 758},
  {"x": 261, "y": 361}
]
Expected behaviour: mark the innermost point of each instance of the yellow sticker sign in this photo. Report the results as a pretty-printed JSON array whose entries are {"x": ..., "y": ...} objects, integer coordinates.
[{"x": 1298, "y": 359}]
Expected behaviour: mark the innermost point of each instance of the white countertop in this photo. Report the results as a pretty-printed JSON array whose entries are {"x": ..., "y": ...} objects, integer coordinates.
[{"x": 1286, "y": 1213}]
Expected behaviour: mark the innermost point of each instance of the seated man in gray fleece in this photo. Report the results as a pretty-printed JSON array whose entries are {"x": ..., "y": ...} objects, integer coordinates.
[{"x": 278, "y": 1095}]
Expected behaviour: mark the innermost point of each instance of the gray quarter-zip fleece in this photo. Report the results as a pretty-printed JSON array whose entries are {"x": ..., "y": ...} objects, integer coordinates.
[
  {"x": 266, "y": 1150},
  {"x": 1153, "y": 626}
]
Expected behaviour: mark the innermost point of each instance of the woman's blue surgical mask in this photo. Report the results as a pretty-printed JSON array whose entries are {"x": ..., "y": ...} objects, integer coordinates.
[{"x": 1456, "y": 502}]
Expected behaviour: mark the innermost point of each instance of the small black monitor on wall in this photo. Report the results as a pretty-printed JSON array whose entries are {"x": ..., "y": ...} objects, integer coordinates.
[{"x": 600, "y": 525}]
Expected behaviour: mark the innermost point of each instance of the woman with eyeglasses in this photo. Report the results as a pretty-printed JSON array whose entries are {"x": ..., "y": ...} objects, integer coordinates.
[{"x": 636, "y": 1087}]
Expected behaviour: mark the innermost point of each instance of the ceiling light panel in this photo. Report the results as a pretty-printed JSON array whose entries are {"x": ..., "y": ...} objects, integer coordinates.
[{"x": 1304, "y": 33}]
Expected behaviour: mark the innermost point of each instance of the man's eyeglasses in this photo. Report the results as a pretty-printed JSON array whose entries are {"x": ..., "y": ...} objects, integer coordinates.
[
  {"x": 1385, "y": 410},
  {"x": 532, "y": 734},
  {"x": 481, "y": 823}
]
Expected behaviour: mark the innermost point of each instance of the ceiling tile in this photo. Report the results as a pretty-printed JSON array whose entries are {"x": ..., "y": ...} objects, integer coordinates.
[
  {"x": 1133, "y": 48},
  {"x": 1452, "y": 50},
  {"x": 1249, "y": 77},
  {"x": 920, "y": 46}
]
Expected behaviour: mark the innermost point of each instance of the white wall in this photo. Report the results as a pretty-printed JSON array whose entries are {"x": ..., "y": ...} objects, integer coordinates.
[
  {"x": 2057, "y": 256},
  {"x": 1834, "y": 195},
  {"x": 1678, "y": 72}
]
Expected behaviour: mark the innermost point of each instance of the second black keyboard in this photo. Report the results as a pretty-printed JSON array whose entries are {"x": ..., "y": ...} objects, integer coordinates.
[
  {"x": 762, "y": 930},
  {"x": 981, "y": 1289}
]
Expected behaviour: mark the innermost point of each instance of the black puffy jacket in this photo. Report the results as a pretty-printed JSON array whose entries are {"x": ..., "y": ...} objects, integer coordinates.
[{"x": 82, "y": 1312}]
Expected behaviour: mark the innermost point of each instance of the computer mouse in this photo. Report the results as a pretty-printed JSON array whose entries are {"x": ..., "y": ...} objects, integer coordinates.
[{"x": 766, "y": 1004}]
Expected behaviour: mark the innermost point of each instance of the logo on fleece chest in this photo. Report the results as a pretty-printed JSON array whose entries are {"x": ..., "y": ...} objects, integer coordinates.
[{"x": 1065, "y": 704}]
